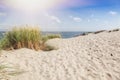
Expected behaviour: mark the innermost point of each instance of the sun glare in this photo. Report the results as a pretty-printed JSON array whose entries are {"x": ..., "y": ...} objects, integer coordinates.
[{"x": 33, "y": 5}]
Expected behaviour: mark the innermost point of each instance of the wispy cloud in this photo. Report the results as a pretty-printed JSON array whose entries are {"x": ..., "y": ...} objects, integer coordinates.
[
  {"x": 113, "y": 12},
  {"x": 76, "y": 19},
  {"x": 53, "y": 18}
]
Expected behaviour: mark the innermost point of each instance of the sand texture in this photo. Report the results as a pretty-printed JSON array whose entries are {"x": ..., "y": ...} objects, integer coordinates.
[{"x": 90, "y": 57}]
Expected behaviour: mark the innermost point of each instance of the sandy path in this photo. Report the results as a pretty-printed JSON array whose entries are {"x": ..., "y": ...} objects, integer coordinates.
[{"x": 91, "y": 57}]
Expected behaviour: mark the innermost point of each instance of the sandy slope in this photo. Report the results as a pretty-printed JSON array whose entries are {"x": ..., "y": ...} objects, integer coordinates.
[{"x": 91, "y": 57}]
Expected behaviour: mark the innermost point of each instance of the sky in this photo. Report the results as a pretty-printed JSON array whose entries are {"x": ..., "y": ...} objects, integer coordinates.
[{"x": 60, "y": 15}]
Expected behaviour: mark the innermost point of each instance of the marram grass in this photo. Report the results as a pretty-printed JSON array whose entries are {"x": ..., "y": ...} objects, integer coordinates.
[{"x": 28, "y": 37}]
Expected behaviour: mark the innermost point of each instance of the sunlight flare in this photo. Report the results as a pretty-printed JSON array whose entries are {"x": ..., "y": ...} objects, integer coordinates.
[{"x": 33, "y": 5}]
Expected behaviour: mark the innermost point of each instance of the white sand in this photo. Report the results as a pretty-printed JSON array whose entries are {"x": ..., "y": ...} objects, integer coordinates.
[{"x": 91, "y": 57}]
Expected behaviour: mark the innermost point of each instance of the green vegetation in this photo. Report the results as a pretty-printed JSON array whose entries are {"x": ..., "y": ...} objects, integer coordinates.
[
  {"x": 26, "y": 37},
  {"x": 22, "y": 37},
  {"x": 50, "y": 36}
]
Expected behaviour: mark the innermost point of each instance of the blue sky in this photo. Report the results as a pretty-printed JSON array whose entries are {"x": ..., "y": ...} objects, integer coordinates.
[{"x": 61, "y": 15}]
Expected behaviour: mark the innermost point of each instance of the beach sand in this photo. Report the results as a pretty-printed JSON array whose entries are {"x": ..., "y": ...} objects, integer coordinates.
[{"x": 90, "y": 57}]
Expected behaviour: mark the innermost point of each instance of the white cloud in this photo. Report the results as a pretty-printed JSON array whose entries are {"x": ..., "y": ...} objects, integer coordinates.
[
  {"x": 77, "y": 19},
  {"x": 113, "y": 12},
  {"x": 90, "y": 20},
  {"x": 54, "y": 18}
]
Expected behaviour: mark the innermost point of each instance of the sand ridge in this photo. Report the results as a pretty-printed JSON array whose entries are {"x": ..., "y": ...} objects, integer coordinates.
[{"x": 90, "y": 57}]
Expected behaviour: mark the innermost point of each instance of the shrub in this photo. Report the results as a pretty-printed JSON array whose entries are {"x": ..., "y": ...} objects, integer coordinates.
[
  {"x": 28, "y": 37},
  {"x": 50, "y": 36}
]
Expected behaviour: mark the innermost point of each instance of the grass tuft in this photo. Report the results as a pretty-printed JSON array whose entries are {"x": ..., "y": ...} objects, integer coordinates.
[
  {"x": 26, "y": 37},
  {"x": 21, "y": 37}
]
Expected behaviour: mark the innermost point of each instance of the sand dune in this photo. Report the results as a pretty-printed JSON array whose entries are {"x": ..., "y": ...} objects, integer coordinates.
[{"x": 90, "y": 57}]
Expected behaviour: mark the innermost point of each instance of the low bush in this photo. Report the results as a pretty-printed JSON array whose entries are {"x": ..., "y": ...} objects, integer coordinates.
[{"x": 50, "y": 36}]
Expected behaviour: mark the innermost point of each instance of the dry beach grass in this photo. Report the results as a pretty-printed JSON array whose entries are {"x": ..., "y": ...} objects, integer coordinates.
[
  {"x": 90, "y": 57},
  {"x": 26, "y": 37}
]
